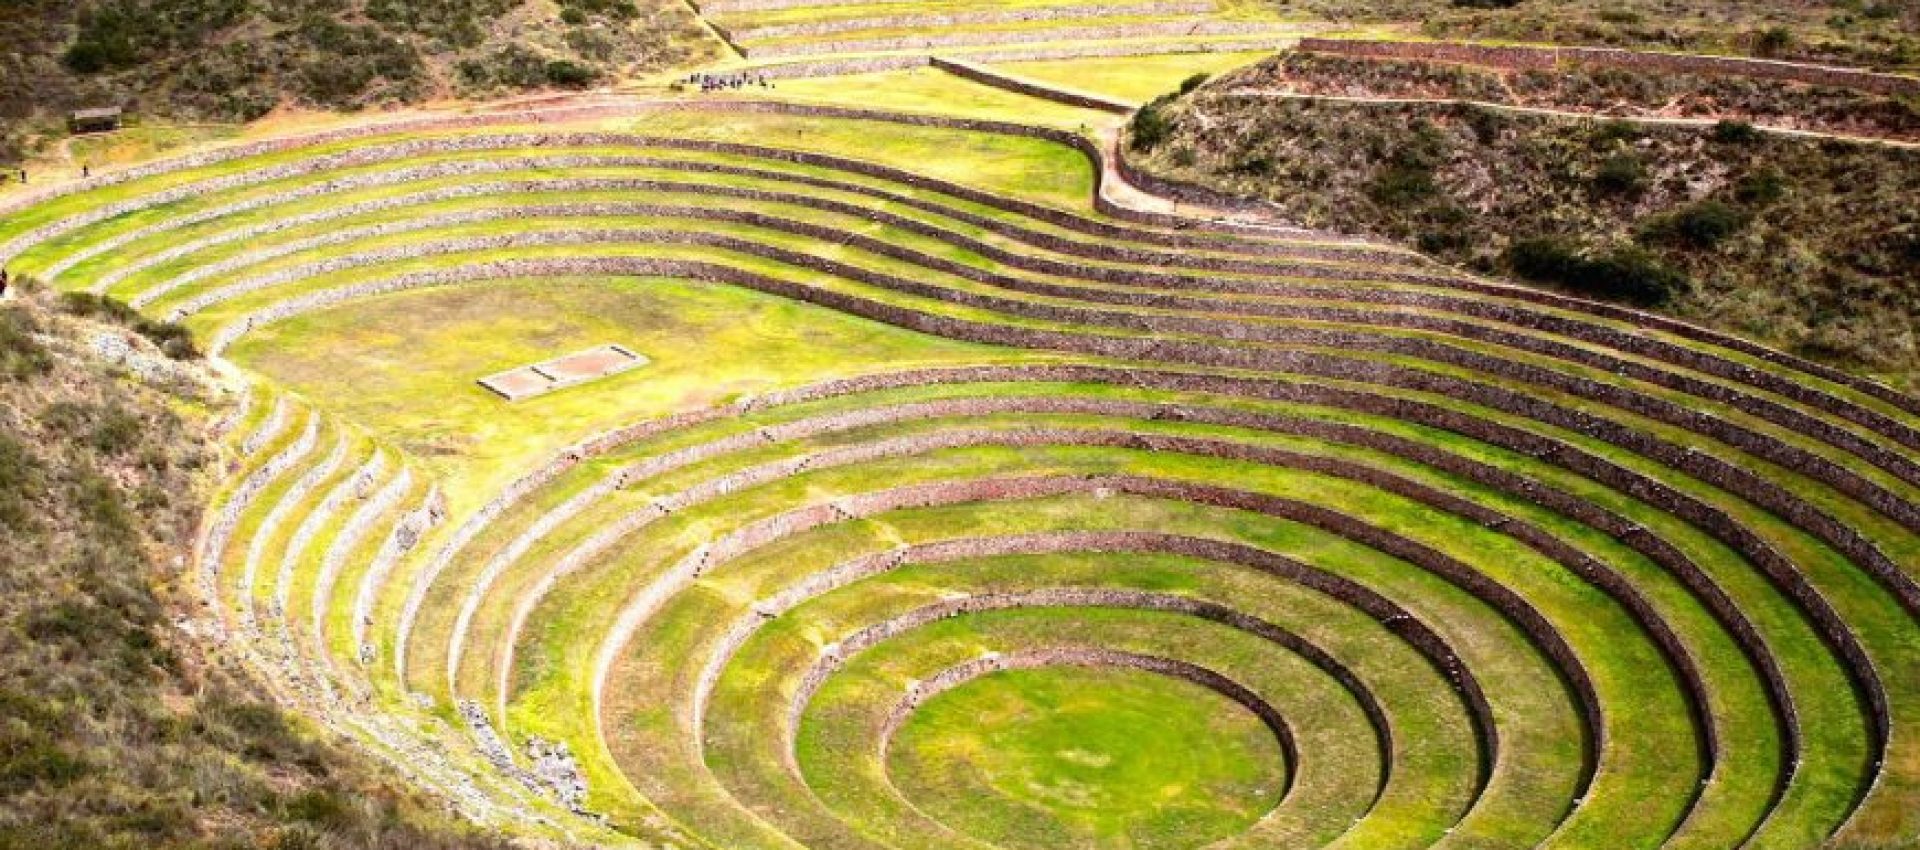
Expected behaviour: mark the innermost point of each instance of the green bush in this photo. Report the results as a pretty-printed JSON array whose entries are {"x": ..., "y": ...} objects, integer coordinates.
[
  {"x": 1735, "y": 133},
  {"x": 1150, "y": 126},
  {"x": 1398, "y": 185},
  {"x": 1761, "y": 187},
  {"x": 1701, "y": 225},
  {"x": 1772, "y": 41},
  {"x": 565, "y": 74},
  {"x": 1189, "y": 84},
  {"x": 21, "y": 356},
  {"x": 1621, "y": 174},
  {"x": 1629, "y": 274}
]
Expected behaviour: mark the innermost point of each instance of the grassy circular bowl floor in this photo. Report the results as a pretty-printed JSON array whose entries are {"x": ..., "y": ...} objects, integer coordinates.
[{"x": 1088, "y": 757}]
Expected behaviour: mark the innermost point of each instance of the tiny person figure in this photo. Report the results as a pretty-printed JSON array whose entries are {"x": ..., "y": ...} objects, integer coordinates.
[
  {"x": 3, "y": 281},
  {"x": 85, "y": 171}
]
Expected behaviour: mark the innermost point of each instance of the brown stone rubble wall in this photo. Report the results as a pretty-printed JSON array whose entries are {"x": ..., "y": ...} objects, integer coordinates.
[
  {"x": 1546, "y": 58},
  {"x": 948, "y": 20}
]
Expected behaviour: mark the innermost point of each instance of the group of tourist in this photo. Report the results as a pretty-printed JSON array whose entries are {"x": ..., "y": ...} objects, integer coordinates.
[{"x": 728, "y": 82}]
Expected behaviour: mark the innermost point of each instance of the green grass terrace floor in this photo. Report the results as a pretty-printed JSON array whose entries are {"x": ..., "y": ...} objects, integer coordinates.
[{"x": 948, "y": 512}]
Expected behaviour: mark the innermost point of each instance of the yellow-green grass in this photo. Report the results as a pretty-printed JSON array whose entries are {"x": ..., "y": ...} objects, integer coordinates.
[
  {"x": 861, "y": 11},
  {"x": 1652, "y": 711},
  {"x": 801, "y": 243},
  {"x": 92, "y": 270},
  {"x": 1903, "y": 542},
  {"x": 934, "y": 91},
  {"x": 145, "y": 141},
  {"x": 270, "y": 545},
  {"x": 1817, "y": 448},
  {"x": 158, "y": 284},
  {"x": 1151, "y": 809},
  {"x": 1134, "y": 78},
  {"x": 1018, "y": 167},
  {"x": 1125, "y": 758},
  {"x": 338, "y": 623},
  {"x": 1858, "y": 598},
  {"x": 1748, "y": 708},
  {"x": 374, "y": 361},
  {"x": 267, "y": 586},
  {"x": 1527, "y": 780},
  {"x": 1435, "y": 757},
  {"x": 1743, "y": 705}
]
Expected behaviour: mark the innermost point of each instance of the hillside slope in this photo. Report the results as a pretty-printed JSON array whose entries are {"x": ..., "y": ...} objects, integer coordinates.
[
  {"x": 116, "y": 730},
  {"x": 1808, "y": 244},
  {"x": 228, "y": 60}
]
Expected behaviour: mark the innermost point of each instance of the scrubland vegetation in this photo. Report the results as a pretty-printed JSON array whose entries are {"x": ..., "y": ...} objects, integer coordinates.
[
  {"x": 236, "y": 60},
  {"x": 1810, "y": 244},
  {"x": 116, "y": 730},
  {"x": 1867, "y": 32}
]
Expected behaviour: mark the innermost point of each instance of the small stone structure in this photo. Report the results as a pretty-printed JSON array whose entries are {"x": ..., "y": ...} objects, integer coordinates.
[
  {"x": 561, "y": 372},
  {"x": 105, "y": 119}
]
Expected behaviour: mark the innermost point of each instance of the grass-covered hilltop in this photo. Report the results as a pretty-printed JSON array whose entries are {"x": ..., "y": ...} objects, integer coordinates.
[{"x": 997, "y": 425}]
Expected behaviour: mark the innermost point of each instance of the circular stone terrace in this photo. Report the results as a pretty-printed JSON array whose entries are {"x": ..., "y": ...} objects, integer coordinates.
[{"x": 870, "y": 478}]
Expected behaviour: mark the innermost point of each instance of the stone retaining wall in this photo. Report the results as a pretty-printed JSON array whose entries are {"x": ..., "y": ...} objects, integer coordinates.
[
  {"x": 359, "y": 485},
  {"x": 1090, "y": 656},
  {"x": 1065, "y": 376},
  {"x": 1869, "y": 387},
  {"x": 1735, "y": 479},
  {"x": 820, "y": 583},
  {"x": 804, "y": 69},
  {"x": 406, "y": 534},
  {"x": 268, "y": 429},
  {"x": 1032, "y": 88},
  {"x": 965, "y": 38},
  {"x": 345, "y": 541},
  {"x": 283, "y": 510},
  {"x": 759, "y": 533},
  {"x": 1545, "y": 58},
  {"x": 1693, "y": 359},
  {"x": 936, "y": 20},
  {"x": 1579, "y": 563},
  {"x": 1751, "y": 485},
  {"x": 227, "y": 519}
]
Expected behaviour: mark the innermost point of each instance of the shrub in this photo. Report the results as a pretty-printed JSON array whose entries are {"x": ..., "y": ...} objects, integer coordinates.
[
  {"x": 1398, "y": 185},
  {"x": 1189, "y": 84},
  {"x": 1735, "y": 133},
  {"x": 1629, "y": 275},
  {"x": 1761, "y": 187},
  {"x": 563, "y": 73},
  {"x": 1621, "y": 174},
  {"x": 173, "y": 339},
  {"x": 1608, "y": 133},
  {"x": 21, "y": 356},
  {"x": 1150, "y": 126},
  {"x": 614, "y": 9},
  {"x": 1772, "y": 41},
  {"x": 20, "y": 479},
  {"x": 1701, "y": 225}
]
